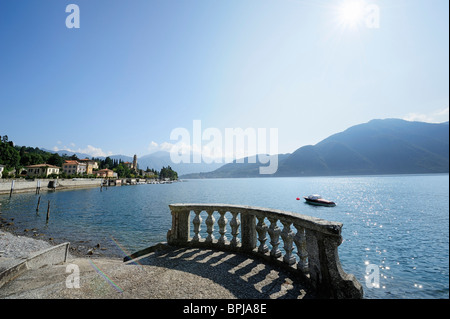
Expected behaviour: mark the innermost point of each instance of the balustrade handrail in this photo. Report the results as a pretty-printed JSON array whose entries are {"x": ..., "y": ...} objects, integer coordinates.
[
  {"x": 316, "y": 241},
  {"x": 313, "y": 223}
]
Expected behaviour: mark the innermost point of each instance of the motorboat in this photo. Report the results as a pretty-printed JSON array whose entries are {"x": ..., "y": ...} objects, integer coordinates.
[{"x": 319, "y": 201}]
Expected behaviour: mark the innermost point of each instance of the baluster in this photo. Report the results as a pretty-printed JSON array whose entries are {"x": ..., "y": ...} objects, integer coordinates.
[
  {"x": 210, "y": 220},
  {"x": 274, "y": 233},
  {"x": 288, "y": 238},
  {"x": 261, "y": 228},
  {"x": 234, "y": 224},
  {"x": 180, "y": 231},
  {"x": 300, "y": 242},
  {"x": 197, "y": 222},
  {"x": 222, "y": 222}
]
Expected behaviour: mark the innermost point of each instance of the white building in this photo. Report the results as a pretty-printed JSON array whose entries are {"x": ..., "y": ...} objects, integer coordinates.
[
  {"x": 90, "y": 165},
  {"x": 74, "y": 167},
  {"x": 42, "y": 170}
]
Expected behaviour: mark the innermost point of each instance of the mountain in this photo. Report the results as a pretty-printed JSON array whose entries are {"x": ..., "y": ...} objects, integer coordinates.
[
  {"x": 124, "y": 158},
  {"x": 249, "y": 168},
  {"x": 162, "y": 158},
  {"x": 156, "y": 160},
  {"x": 68, "y": 153},
  {"x": 390, "y": 146}
]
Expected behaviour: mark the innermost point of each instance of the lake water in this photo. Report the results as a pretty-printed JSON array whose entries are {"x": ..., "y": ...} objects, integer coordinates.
[{"x": 400, "y": 223}]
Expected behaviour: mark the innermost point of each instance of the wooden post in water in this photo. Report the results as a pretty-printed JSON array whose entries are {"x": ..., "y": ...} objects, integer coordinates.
[
  {"x": 12, "y": 188},
  {"x": 48, "y": 211},
  {"x": 38, "y": 186},
  {"x": 37, "y": 207}
]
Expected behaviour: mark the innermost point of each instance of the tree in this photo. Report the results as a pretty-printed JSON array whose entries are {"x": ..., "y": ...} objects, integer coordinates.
[
  {"x": 25, "y": 159},
  {"x": 36, "y": 159},
  {"x": 9, "y": 156},
  {"x": 109, "y": 163},
  {"x": 55, "y": 160},
  {"x": 168, "y": 172},
  {"x": 122, "y": 171}
]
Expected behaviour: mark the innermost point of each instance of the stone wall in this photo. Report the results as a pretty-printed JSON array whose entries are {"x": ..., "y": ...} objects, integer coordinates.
[{"x": 22, "y": 185}]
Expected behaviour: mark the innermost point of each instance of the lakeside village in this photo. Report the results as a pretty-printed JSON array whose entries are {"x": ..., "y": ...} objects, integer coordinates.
[{"x": 33, "y": 163}]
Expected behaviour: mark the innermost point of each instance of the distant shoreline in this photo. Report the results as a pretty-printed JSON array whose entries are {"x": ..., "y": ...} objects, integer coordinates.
[
  {"x": 27, "y": 186},
  {"x": 185, "y": 177},
  {"x": 30, "y": 186}
]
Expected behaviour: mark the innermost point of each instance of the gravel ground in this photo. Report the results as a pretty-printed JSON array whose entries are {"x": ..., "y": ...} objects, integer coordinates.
[{"x": 19, "y": 247}]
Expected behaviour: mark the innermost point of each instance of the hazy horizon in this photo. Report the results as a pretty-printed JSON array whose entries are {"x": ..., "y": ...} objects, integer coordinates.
[{"x": 133, "y": 73}]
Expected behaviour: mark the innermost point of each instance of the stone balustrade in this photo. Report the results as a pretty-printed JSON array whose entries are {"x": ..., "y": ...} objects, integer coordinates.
[{"x": 309, "y": 245}]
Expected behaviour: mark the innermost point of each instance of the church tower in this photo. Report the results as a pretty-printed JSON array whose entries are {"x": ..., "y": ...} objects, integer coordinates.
[{"x": 134, "y": 163}]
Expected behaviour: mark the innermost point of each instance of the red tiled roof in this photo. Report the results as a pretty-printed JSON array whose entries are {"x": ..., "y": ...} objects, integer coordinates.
[{"x": 71, "y": 162}]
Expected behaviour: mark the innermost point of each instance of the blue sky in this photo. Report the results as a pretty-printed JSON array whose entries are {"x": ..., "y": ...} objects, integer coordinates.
[{"x": 136, "y": 70}]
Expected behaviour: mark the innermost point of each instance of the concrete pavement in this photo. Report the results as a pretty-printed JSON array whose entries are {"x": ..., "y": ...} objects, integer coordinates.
[{"x": 167, "y": 273}]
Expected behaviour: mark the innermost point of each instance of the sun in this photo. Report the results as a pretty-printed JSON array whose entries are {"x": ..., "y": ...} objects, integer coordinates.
[{"x": 351, "y": 13}]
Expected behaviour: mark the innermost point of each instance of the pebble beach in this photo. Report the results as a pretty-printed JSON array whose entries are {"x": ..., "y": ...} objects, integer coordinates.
[{"x": 18, "y": 247}]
